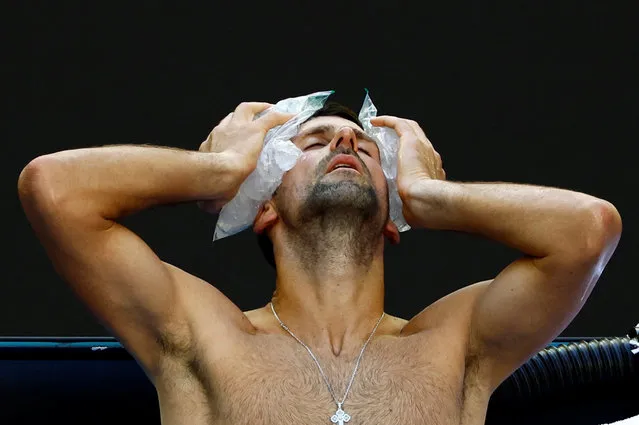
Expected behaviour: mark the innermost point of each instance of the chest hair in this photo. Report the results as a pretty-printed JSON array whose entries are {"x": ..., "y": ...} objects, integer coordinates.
[{"x": 400, "y": 380}]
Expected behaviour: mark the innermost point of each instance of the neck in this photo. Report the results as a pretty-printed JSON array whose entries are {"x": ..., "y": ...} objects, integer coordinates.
[{"x": 330, "y": 289}]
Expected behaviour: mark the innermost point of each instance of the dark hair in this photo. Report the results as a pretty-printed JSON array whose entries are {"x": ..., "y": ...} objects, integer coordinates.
[{"x": 330, "y": 108}]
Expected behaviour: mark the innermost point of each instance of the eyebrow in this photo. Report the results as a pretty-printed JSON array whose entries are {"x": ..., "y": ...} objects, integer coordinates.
[{"x": 323, "y": 129}]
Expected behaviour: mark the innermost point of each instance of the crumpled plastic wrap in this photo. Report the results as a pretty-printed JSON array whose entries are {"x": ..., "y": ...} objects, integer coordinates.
[
  {"x": 280, "y": 154},
  {"x": 634, "y": 340},
  {"x": 388, "y": 145}
]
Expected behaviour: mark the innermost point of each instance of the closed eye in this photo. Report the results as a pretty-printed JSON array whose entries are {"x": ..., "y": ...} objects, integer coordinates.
[{"x": 321, "y": 145}]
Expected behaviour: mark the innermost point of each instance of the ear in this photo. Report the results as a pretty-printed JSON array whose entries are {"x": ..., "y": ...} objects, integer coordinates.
[
  {"x": 391, "y": 232},
  {"x": 265, "y": 218}
]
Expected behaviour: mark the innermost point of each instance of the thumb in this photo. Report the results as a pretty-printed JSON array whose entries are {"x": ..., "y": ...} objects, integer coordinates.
[{"x": 272, "y": 119}]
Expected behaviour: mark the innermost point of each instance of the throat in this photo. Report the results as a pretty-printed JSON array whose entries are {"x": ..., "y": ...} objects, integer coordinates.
[
  {"x": 330, "y": 246},
  {"x": 342, "y": 237}
]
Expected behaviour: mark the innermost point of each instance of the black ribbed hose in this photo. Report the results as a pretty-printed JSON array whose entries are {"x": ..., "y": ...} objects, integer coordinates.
[{"x": 597, "y": 364}]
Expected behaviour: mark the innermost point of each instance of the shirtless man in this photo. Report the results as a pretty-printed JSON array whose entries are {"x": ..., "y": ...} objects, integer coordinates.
[{"x": 211, "y": 363}]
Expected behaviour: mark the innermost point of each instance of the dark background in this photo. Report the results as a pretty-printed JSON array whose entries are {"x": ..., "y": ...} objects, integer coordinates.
[{"x": 542, "y": 93}]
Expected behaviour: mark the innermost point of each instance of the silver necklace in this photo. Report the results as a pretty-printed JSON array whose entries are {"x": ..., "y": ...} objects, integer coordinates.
[{"x": 340, "y": 415}]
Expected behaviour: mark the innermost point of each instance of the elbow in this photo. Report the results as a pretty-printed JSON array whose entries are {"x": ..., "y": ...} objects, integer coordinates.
[
  {"x": 588, "y": 242},
  {"x": 605, "y": 228},
  {"x": 36, "y": 184},
  {"x": 50, "y": 195},
  {"x": 599, "y": 231}
]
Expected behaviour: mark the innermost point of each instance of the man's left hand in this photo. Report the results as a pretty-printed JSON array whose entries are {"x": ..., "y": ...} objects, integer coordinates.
[{"x": 417, "y": 159}]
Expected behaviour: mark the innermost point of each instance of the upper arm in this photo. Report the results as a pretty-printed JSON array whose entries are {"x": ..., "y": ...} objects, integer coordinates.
[
  {"x": 524, "y": 308},
  {"x": 146, "y": 303},
  {"x": 504, "y": 321}
]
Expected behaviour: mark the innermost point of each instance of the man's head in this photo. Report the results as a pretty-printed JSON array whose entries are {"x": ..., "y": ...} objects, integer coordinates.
[{"x": 337, "y": 185}]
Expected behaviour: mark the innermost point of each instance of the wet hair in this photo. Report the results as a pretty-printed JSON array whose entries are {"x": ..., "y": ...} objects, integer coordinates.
[{"x": 332, "y": 109}]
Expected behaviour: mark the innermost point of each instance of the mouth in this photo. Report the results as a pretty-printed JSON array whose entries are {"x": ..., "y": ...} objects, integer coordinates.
[{"x": 344, "y": 162}]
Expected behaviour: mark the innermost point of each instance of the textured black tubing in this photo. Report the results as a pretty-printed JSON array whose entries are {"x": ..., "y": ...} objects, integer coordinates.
[{"x": 600, "y": 363}]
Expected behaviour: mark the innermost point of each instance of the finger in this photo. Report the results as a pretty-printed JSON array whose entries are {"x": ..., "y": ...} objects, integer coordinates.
[
  {"x": 273, "y": 119},
  {"x": 423, "y": 138},
  {"x": 226, "y": 119},
  {"x": 407, "y": 159},
  {"x": 440, "y": 173},
  {"x": 418, "y": 130},
  {"x": 246, "y": 111},
  {"x": 205, "y": 146},
  {"x": 400, "y": 125}
]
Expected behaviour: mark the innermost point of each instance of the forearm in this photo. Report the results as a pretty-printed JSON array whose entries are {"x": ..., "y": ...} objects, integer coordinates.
[
  {"x": 113, "y": 181},
  {"x": 538, "y": 221}
]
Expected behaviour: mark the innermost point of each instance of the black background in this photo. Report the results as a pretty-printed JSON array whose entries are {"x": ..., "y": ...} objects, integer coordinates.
[{"x": 542, "y": 93}]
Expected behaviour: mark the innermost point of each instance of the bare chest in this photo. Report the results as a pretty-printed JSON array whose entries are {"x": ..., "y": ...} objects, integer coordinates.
[{"x": 398, "y": 381}]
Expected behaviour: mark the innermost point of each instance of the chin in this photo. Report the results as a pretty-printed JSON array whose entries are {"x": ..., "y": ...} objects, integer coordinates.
[{"x": 347, "y": 195}]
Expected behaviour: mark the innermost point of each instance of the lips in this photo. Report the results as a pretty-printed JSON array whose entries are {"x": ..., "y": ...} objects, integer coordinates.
[{"x": 343, "y": 159}]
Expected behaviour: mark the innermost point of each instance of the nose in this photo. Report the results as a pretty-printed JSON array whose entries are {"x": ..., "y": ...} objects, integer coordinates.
[{"x": 344, "y": 138}]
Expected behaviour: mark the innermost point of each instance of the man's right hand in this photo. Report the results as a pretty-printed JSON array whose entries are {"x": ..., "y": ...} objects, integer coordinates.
[{"x": 239, "y": 139}]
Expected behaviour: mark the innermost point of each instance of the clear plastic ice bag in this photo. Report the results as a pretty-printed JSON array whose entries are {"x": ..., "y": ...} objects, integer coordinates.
[{"x": 280, "y": 154}]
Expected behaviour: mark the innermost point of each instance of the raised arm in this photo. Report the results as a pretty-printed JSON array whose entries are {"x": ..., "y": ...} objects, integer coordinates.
[
  {"x": 566, "y": 237},
  {"x": 74, "y": 198}
]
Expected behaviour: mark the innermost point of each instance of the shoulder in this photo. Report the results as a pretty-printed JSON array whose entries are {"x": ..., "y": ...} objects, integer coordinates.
[
  {"x": 445, "y": 325},
  {"x": 452, "y": 312},
  {"x": 207, "y": 315}
]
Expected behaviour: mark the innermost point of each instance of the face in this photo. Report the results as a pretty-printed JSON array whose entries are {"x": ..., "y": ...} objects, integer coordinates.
[{"x": 314, "y": 187}]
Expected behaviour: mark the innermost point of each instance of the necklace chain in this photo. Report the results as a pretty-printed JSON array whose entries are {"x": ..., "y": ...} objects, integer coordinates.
[{"x": 330, "y": 389}]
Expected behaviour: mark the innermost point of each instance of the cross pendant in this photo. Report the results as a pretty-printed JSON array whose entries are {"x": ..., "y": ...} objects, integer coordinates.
[{"x": 340, "y": 416}]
